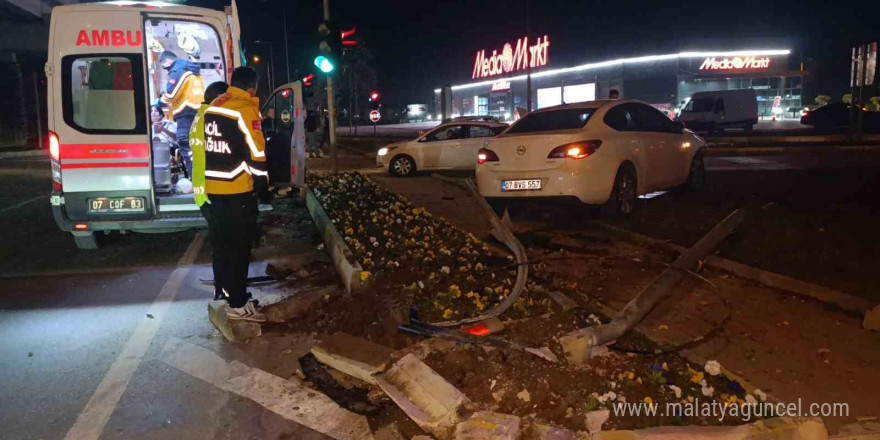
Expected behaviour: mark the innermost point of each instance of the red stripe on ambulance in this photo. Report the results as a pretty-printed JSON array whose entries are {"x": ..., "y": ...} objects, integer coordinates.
[{"x": 105, "y": 151}]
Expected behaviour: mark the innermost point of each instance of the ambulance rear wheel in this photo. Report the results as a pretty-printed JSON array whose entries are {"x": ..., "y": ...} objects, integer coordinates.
[{"x": 86, "y": 241}]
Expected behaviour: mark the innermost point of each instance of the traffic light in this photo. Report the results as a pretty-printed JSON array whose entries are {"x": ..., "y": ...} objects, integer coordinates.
[
  {"x": 375, "y": 100},
  {"x": 332, "y": 46},
  {"x": 307, "y": 89},
  {"x": 307, "y": 80}
]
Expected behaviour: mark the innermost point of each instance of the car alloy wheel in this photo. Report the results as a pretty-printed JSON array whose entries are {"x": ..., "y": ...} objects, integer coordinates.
[
  {"x": 626, "y": 194},
  {"x": 697, "y": 173},
  {"x": 402, "y": 166}
]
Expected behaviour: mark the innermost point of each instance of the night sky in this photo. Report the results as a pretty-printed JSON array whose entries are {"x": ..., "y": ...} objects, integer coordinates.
[{"x": 420, "y": 45}]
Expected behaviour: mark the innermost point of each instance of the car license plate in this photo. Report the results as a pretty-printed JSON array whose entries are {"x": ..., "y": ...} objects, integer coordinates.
[
  {"x": 116, "y": 204},
  {"x": 521, "y": 185}
]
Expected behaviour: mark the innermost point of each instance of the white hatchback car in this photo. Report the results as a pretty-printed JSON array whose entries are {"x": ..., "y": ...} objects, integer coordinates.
[
  {"x": 600, "y": 153},
  {"x": 451, "y": 146}
]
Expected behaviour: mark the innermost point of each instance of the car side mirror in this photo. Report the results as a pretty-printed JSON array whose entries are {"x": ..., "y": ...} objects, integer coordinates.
[{"x": 677, "y": 126}]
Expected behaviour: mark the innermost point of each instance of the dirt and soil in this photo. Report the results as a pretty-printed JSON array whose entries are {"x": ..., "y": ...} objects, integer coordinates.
[{"x": 788, "y": 346}]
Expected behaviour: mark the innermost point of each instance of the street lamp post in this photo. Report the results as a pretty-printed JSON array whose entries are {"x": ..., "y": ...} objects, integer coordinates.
[{"x": 271, "y": 69}]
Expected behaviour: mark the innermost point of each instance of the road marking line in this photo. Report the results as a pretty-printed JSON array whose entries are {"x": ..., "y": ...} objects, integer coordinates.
[
  {"x": 19, "y": 205},
  {"x": 90, "y": 423},
  {"x": 287, "y": 398}
]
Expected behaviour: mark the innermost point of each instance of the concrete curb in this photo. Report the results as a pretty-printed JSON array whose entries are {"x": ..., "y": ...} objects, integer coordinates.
[
  {"x": 838, "y": 299},
  {"x": 26, "y": 153},
  {"x": 349, "y": 269},
  {"x": 717, "y": 151}
]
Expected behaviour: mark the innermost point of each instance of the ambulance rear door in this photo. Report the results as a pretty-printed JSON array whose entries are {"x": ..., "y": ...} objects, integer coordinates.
[{"x": 98, "y": 116}]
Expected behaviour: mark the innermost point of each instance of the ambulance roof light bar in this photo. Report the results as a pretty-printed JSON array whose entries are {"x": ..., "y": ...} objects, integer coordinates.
[{"x": 642, "y": 59}]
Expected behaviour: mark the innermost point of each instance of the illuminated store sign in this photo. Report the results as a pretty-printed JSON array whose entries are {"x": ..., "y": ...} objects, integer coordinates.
[
  {"x": 736, "y": 63},
  {"x": 512, "y": 60}
]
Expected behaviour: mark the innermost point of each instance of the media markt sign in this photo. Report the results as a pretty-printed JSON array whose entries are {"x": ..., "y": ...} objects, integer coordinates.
[
  {"x": 525, "y": 56},
  {"x": 736, "y": 63}
]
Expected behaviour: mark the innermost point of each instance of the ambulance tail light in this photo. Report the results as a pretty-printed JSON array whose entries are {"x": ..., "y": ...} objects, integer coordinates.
[{"x": 55, "y": 154}]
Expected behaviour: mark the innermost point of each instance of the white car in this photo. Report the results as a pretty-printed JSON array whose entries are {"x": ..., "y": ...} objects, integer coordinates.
[
  {"x": 451, "y": 146},
  {"x": 599, "y": 153}
]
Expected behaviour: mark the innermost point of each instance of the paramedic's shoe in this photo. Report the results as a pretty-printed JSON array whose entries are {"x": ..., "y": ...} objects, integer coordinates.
[{"x": 246, "y": 313}]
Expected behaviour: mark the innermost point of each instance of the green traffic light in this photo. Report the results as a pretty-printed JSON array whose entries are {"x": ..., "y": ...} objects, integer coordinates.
[{"x": 324, "y": 64}]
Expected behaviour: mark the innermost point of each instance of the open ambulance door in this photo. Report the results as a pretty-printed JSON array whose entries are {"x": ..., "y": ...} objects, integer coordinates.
[{"x": 284, "y": 127}]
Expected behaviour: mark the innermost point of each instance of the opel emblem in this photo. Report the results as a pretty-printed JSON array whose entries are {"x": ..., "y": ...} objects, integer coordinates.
[{"x": 521, "y": 150}]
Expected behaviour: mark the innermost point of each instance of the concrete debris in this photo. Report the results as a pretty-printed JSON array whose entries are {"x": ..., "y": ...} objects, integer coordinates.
[
  {"x": 564, "y": 301},
  {"x": 524, "y": 396},
  {"x": 538, "y": 431},
  {"x": 485, "y": 425},
  {"x": 354, "y": 356},
  {"x": 298, "y": 304},
  {"x": 576, "y": 346},
  {"x": 233, "y": 331},
  {"x": 427, "y": 398},
  {"x": 872, "y": 319},
  {"x": 595, "y": 420},
  {"x": 282, "y": 267}
]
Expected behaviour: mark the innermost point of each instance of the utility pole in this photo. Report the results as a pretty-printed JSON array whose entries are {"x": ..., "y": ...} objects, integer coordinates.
[
  {"x": 286, "y": 48},
  {"x": 331, "y": 103}
]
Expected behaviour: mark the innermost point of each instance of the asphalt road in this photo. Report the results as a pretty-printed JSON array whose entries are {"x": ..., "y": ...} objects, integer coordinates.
[{"x": 80, "y": 327}]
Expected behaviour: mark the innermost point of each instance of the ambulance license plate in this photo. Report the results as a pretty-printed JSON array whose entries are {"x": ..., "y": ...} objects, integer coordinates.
[
  {"x": 116, "y": 204},
  {"x": 521, "y": 185}
]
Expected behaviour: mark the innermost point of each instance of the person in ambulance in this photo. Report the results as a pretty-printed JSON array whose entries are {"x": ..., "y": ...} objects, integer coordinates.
[{"x": 184, "y": 93}]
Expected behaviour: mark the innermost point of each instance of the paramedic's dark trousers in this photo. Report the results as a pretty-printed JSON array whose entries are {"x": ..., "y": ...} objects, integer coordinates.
[
  {"x": 183, "y": 125},
  {"x": 232, "y": 227}
]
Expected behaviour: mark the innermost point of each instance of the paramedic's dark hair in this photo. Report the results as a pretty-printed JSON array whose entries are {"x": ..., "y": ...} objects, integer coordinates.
[
  {"x": 244, "y": 78},
  {"x": 167, "y": 55},
  {"x": 214, "y": 90},
  {"x": 159, "y": 109}
]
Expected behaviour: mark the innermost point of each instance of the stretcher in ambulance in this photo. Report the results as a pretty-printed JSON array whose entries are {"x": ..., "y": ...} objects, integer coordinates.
[{"x": 113, "y": 168}]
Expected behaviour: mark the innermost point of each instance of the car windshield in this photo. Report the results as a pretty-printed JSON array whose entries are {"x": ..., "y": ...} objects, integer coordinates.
[
  {"x": 565, "y": 119},
  {"x": 700, "y": 105}
]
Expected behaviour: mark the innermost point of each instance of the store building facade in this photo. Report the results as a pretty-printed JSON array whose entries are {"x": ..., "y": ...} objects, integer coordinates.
[{"x": 499, "y": 86}]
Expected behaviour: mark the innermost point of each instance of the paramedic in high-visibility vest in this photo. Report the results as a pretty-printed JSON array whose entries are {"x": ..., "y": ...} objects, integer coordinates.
[
  {"x": 234, "y": 177},
  {"x": 184, "y": 93}
]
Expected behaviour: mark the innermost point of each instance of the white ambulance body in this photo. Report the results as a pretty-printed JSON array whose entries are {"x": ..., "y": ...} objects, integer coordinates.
[{"x": 109, "y": 170}]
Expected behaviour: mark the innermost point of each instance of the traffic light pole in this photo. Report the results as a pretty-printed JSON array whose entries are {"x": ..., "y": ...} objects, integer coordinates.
[{"x": 331, "y": 106}]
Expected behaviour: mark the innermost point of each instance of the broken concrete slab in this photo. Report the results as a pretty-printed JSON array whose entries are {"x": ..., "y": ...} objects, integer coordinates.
[
  {"x": 354, "y": 356},
  {"x": 298, "y": 304},
  {"x": 564, "y": 301},
  {"x": 595, "y": 419},
  {"x": 779, "y": 428},
  {"x": 427, "y": 398},
  {"x": 576, "y": 346},
  {"x": 484, "y": 425},
  {"x": 282, "y": 267},
  {"x": 872, "y": 319},
  {"x": 287, "y": 398},
  {"x": 539, "y": 431},
  {"x": 233, "y": 331},
  {"x": 424, "y": 348}
]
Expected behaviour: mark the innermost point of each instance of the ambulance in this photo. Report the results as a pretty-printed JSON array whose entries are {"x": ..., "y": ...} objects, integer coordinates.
[{"x": 111, "y": 171}]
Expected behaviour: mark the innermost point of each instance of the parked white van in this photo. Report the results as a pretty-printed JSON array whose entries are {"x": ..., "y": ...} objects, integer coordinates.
[
  {"x": 716, "y": 110},
  {"x": 109, "y": 168}
]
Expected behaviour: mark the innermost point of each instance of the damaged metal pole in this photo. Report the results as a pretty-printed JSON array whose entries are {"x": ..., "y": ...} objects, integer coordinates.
[{"x": 659, "y": 289}]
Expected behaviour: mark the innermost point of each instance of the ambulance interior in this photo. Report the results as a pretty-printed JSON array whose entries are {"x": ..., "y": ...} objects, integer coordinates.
[{"x": 193, "y": 41}]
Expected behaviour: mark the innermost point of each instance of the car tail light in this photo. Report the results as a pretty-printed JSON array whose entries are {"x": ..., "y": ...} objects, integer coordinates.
[
  {"x": 55, "y": 154},
  {"x": 81, "y": 227},
  {"x": 575, "y": 150},
  {"x": 485, "y": 155}
]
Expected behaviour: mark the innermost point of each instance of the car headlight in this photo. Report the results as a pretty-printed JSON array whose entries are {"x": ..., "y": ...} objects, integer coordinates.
[{"x": 382, "y": 151}]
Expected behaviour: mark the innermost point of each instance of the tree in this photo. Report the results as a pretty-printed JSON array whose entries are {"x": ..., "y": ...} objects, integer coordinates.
[
  {"x": 358, "y": 79},
  {"x": 823, "y": 99}
]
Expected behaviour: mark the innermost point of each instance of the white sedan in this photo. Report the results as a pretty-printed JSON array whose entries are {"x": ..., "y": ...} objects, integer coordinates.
[
  {"x": 599, "y": 153},
  {"x": 451, "y": 146}
]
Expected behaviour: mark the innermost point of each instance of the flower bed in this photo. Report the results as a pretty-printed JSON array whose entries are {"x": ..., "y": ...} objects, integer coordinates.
[{"x": 446, "y": 274}]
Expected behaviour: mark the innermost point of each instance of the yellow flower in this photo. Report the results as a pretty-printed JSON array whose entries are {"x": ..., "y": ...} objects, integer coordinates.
[
  {"x": 648, "y": 400},
  {"x": 480, "y": 306},
  {"x": 447, "y": 314},
  {"x": 417, "y": 211},
  {"x": 697, "y": 377},
  {"x": 629, "y": 375},
  {"x": 365, "y": 275}
]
